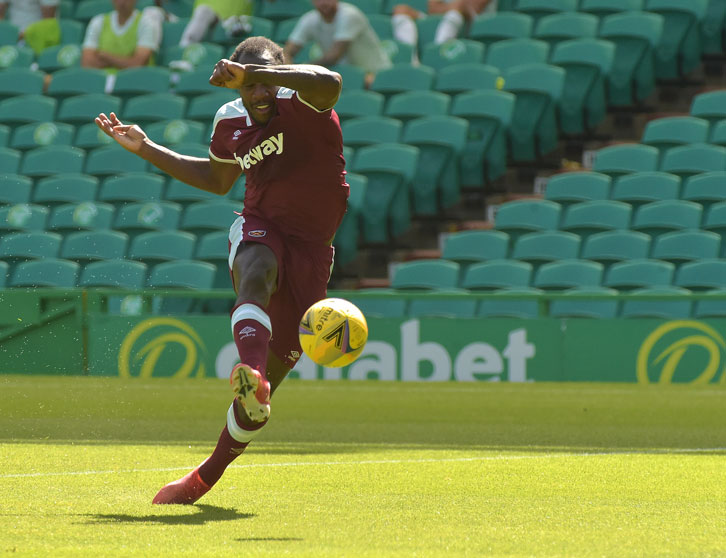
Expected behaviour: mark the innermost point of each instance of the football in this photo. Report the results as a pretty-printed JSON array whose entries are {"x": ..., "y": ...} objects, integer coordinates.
[{"x": 333, "y": 332}]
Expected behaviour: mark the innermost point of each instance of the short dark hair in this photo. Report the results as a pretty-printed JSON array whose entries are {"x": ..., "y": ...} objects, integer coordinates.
[{"x": 256, "y": 46}]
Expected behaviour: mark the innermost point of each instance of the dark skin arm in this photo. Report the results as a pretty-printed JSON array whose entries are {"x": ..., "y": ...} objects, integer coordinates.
[{"x": 317, "y": 85}]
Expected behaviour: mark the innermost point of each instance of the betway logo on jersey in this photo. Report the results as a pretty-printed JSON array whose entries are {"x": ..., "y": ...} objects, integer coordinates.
[{"x": 255, "y": 155}]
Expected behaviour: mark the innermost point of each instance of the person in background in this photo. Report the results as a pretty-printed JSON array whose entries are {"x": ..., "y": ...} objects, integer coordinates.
[
  {"x": 344, "y": 35},
  {"x": 233, "y": 15},
  {"x": 123, "y": 38},
  {"x": 36, "y": 20},
  {"x": 456, "y": 13}
]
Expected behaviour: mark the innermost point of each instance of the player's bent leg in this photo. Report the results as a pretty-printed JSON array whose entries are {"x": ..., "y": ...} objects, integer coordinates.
[{"x": 186, "y": 490}]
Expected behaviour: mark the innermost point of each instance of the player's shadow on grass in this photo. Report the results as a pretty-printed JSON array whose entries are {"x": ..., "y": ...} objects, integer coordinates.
[{"x": 202, "y": 514}]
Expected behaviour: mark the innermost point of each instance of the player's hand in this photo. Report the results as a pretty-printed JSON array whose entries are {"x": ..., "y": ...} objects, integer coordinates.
[
  {"x": 228, "y": 74},
  {"x": 129, "y": 136}
]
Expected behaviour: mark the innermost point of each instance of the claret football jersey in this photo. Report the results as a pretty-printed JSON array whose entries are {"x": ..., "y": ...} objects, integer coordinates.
[{"x": 294, "y": 166}]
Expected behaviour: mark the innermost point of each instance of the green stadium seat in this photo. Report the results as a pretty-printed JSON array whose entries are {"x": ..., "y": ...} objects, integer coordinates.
[
  {"x": 381, "y": 24},
  {"x": 470, "y": 247},
  {"x": 180, "y": 192},
  {"x": 379, "y": 306},
  {"x": 538, "y": 91},
  {"x": 587, "y": 64},
  {"x": 347, "y": 237},
  {"x": 172, "y": 32},
  {"x": 466, "y": 76},
  {"x": 636, "y": 274},
  {"x": 282, "y": 9},
  {"x": 660, "y": 217},
  {"x": 27, "y": 108},
  {"x": 15, "y": 56},
  {"x": 72, "y": 31},
  {"x": 204, "y": 107},
  {"x": 14, "y": 189},
  {"x": 588, "y": 218},
  {"x": 636, "y": 36},
  {"x": 420, "y": 5},
  {"x": 718, "y": 136},
  {"x": 368, "y": 6},
  {"x": 505, "y": 303},
  {"x": 4, "y": 274},
  {"x": 398, "y": 52},
  {"x": 602, "y": 8},
  {"x": 489, "y": 114},
  {"x": 131, "y": 187},
  {"x": 705, "y": 188},
  {"x": 354, "y": 77},
  {"x": 156, "y": 247},
  {"x": 492, "y": 28},
  {"x": 113, "y": 159},
  {"x": 53, "y": 159},
  {"x": 154, "y": 107},
  {"x": 8, "y": 33},
  {"x": 573, "y": 187},
  {"x": 712, "y": 28},
  {"x": 514, "y": 52},
  {"x": 212, "y": 248},
  {"x": 710, "y": 308},
  {"x": 208, "y": 216},
  {"x": 4, "y": 135},
  {"x": 403, "y": 77},
  {"x": 81, "y": 216},
  {"x": 568, "y": 274},
  {"x": 10, "y": 160},
  {"x": 453, "y": 51},
  {"x": 86, "y": 9},
  {"x": 497, "y": 274},
  {"x": 172, "y": 132},
  {"x": 23, "y": 217},
  {"x": 21, "y": 247},
  {"x": 426, "y": 274},
  {"x": 285, "y": 27},
  {"x": 639, "y": 188},
  {"x": 188, "y": 274},
  {"x": 563, "y": 26},
  {"x": 415, "y": 104},
  {"x": 679, "y": 51},
  {"x": 542, "y": 247},
  {"x": 694, "y": 158},
  {"x": 669, "y": 132},
  {"x": 660, "y": 308},
  {"x": 112, "y": 273},
  {"x": 702, "y": 275},
  {"x": 523, "y": 216},
  {"x": 39, "y": 134},
  {"x": 440, "y": 141},
  {"x": 609, "y": 247},
  {"x": 617, "y": 160},
  {"x": 59, "y": 57},
  {"x": 200, "y": 150},
  {"x": 710, "y": 106},
  {"x": 431, "y": 306},
  {"x": 684, "y": 246},
  {"x": 140, "y": 217},
  {"x": 389, "y": 168},
  {"x": 539, "y": 9},
  {"x": 202, "y": 54},
  {"x": 20, "y": 81},
  {"x": 89, "y": 136},
  {"x": 355, "y": 103},
  {"x": 48, "y": 272},
  {"x": 576, "y": 306},
  {"x": 366, "y": 130},
  {"x": 194, "y": 83},
  {"x": 73, "y": 81},
  {"x": 63, "y": 188},
  {"x": 82, "y": 109},
  {"x": 85, "y": 247},
  {"x": 426, "y": 28}
]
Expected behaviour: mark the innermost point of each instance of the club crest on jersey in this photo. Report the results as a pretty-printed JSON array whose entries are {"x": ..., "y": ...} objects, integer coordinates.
[
  {"x": 257, "y": 233},
  {"x": 272, "y": 145}
]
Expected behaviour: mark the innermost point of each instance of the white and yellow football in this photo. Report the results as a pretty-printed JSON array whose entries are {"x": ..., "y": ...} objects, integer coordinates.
[{"x": 333, "y": 332}]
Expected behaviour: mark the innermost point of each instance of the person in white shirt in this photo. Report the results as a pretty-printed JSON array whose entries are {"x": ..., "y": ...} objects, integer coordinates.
[
  {"x": 123, "y": 38},
  {"x": 344, "y": 35},
  {"x": 22, "y": 13}
]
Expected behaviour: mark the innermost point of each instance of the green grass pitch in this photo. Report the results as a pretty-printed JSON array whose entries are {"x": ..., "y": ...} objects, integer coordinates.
[{"x": 366, "y": 470}]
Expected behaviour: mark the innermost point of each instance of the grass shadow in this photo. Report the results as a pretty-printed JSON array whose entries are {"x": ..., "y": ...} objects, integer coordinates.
[{"x": 203, "y": 514}]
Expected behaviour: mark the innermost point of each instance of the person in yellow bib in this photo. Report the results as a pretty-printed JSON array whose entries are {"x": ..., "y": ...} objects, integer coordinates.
[
  {"x": 231, "y": 14},
  {"x": 123, "y": 38}
]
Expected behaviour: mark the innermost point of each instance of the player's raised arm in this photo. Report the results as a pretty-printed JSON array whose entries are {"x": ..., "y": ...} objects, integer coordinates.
[
  {"x": 205, "y": 174},
  {"x": 318, "y": 85}
]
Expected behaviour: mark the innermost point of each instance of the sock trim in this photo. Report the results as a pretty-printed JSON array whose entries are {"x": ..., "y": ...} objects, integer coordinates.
[
  {"x": 239, "y": 433},
  {"x": 250, "y": 311}
]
